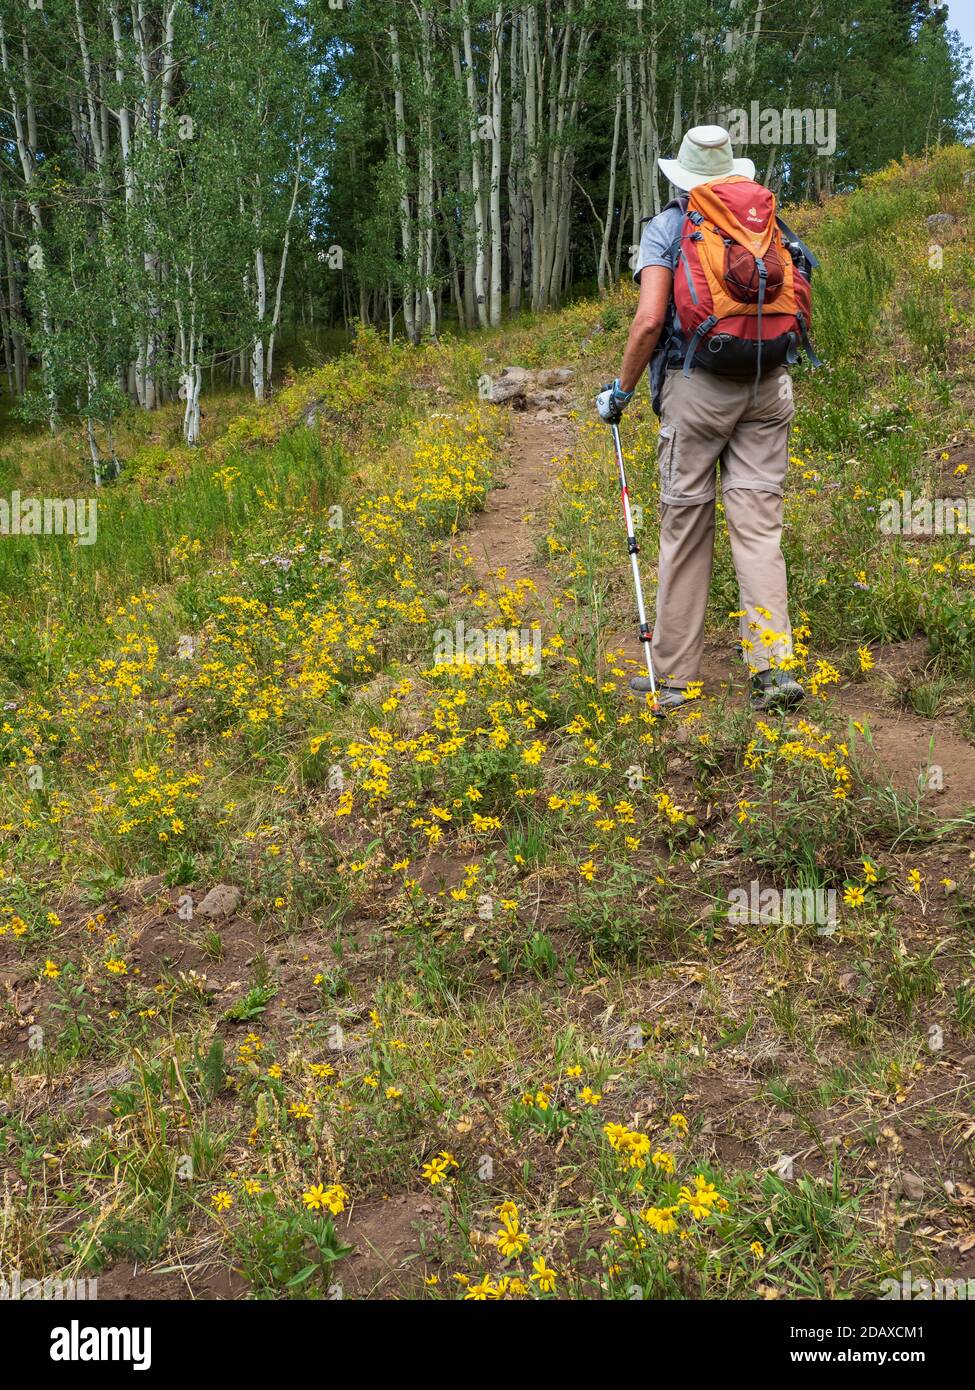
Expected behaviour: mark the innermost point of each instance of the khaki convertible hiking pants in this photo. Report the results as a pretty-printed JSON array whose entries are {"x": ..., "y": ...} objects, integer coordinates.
[{"x": 708, "y": 419}]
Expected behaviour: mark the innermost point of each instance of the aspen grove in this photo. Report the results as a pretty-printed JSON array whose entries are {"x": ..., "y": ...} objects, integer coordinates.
[{"x": 188, "y": 189}]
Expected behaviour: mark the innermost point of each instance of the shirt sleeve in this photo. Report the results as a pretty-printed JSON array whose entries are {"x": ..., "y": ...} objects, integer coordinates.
[{"x": 658, "y": 245}]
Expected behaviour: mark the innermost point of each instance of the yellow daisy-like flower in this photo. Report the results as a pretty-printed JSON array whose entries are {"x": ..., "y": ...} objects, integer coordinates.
[
  {"x": 318, "y": 1197},
  {"x": 511, "y": 1243},
  {"x": 437, "y": 1170},
  {"x": 482, "y": 1292},
  {"x": 544, "y": 1276},
  {"x": 661, "y": 1219}
]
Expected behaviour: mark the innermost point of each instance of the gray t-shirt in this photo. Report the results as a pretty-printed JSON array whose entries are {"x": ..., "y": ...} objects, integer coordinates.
[
  {"x": 658, "y": 246},
  {"x": 659, "y": 242}
]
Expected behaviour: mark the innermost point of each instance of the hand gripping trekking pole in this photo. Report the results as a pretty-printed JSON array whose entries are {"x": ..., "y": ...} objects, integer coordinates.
[{"x": 646, "y": 633}]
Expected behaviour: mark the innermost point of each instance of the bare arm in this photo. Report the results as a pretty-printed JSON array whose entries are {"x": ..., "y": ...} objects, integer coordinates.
[{"x": 648, "y": 321}]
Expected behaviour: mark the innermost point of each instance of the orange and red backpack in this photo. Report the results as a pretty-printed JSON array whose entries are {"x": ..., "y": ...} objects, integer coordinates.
[{"x": 744, "y": 304}]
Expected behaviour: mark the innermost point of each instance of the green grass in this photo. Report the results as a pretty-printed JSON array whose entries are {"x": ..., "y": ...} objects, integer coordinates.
[{"x": 484, "y": 913}]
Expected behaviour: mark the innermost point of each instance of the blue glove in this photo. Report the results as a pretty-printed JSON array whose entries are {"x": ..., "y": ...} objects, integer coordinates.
[{"x": 611, "y": 402}]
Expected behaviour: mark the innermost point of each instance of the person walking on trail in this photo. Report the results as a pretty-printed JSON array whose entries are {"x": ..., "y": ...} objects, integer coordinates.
[{"x": 724, "y": 306}]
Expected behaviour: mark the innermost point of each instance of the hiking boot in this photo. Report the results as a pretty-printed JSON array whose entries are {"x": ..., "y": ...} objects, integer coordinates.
[
  {"x": 669, "y": 697},
  {"x": 776, "y": 690}
]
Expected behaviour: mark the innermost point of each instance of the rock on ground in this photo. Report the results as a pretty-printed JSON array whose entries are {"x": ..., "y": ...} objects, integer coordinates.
[
  {"x": 526, "y": 390},
  {"x": 221, "y": 901}
]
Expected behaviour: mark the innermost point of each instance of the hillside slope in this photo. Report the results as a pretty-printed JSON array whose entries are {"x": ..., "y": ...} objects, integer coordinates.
[{"x": 333, "y": 964}]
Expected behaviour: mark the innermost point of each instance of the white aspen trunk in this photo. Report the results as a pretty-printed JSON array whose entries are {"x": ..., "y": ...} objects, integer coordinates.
[
  {"x": 603, "y": 272},
  {"x": 553, "y": 60},
  {"x": 480, "y": 288},
  {"x": 260, "y": 308},
  {"x": 94, "y": 120},
  {"x": 98, "y": 132},
  {"x": 96, "y": 462},
  {"x": 8, "y": 351},
  {"x": 532, "y": 60},
  {"x": 516, "y": 171},
  {"x": 618, "y": 258},
  {"x": 191, "y": 417},
  {"x": 561, "y": 164},
  {"x": 464, "y": 184},
  {"x": 123, "y": 115},
  {"x": 642, "y": 135},
  {"x": 555, "y": 165},
  {"x": 431, "y": 313},
  {"x": 26, "y": 141},
  {"x": 279, "y": 290},
  {"x": 631, "y": 150},
  {"x": 406, "y": 235},
  {"x": 14, "y": 300},
  {"x": 124, "y": 118},
  {"x": 191, "y": 373},
  {"x": 147, "y": 128},
  {"x": 651, "y": 132},
  {"x": 168, "y": 66},
  {"x": 494, "y": 309},
  {"x": 29, "y": 95}
]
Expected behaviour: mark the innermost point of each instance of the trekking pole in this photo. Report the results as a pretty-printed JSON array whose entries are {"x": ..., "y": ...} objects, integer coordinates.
[{"x": 646, "y": 632}]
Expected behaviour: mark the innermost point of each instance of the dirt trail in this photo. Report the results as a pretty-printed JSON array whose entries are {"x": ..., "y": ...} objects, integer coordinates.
[
  {"x": 901, "y": 745},
  {"x": 916, "y": 754},
  {"x": 505, "y": 533},
  {"x": 913, "y": 752}
]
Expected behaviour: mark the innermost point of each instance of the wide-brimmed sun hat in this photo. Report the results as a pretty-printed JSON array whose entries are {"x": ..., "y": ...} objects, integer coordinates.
[{"x": 705, "y": 153}]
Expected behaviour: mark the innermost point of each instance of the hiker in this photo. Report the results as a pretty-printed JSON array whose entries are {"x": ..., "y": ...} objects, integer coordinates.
[{"x": 723, "y": 307}]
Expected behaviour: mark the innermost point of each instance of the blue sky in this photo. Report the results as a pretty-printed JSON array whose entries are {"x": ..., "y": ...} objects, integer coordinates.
[{"x": 961, "y": 16}]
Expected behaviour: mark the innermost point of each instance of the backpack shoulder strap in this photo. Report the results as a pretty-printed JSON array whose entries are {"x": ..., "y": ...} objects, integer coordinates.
[
  {"x": 680, "y": 203},
  {"x": 787, "y": 231}
]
